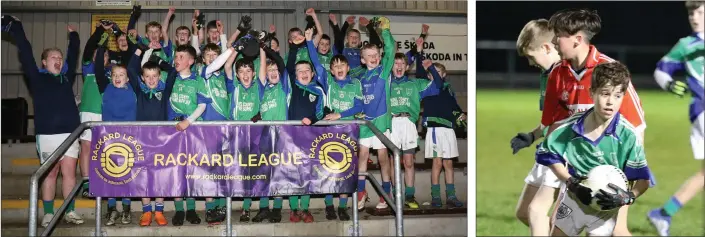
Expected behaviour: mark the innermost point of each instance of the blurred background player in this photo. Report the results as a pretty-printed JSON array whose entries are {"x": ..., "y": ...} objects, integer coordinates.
[
  {"x": 686, "y": 55},
  {"x": 534, "y": 43}
]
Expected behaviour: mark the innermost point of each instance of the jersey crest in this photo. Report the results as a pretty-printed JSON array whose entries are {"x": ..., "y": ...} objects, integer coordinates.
[{"x": 311, "y": 97}]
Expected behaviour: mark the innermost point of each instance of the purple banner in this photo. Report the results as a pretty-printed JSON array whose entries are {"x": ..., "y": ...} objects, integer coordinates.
[{"x": 215, "y": 161}]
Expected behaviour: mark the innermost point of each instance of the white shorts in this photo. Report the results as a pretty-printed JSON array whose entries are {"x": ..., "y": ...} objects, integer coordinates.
[
  {"x": 47, "y": 144},
  {"x": 86, "y": 117},
  {"x": 374, "y": 142},
  {"x": 404, "y": 135},
  {"x": 542, "y": 175},
  {"x": 572, "y": 219},
  {"x": 441, "y": 142},
  {"x": 697, "y": 134}
]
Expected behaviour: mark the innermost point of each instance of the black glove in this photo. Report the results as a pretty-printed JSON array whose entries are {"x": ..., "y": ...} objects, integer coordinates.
[
  {"x": 142, "y": 47},
  {"x": 310, "y": 24},
  {"x": 245, "y": 24},
  {"x": 200, "y": 20},
  {"x": 521, "y": 140},
  {"x": 610, "y": 201},
  {"x": 256, "y": 118},
  {"x": 116, "y": 30},
  {"x": 584, "y": 194},
  {"x": 156, "y": 59},
  {"x": 136, "y": 10}
]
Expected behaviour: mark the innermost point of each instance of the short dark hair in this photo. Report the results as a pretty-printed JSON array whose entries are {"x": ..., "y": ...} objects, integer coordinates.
[
  {"x": 180, "y": 28},
  {"x": 46, "y": 52},
  {"x": 338, "y": 58},
  {"x": 244, "y": 63},
  {"x": 613, "y": 73},
  {"x": 211, "y": 47},
  {"x": 150, "y": 65},
  {"x": 211, "y": 25},
  {"x": 692, "y": 5},
  {"x": 400, "y": 56},
  {"x": 325, "y": 37},
  {"x": 153, "y": 24},
  {"x": 352, "y": 30},
  {"x": 188, "y": 49},
  {"x": 295, "y": 29},
  {"x": 274, "y": 40},
  {"x": 572, "y": 21},
  {"x": 304, "y": 62}
]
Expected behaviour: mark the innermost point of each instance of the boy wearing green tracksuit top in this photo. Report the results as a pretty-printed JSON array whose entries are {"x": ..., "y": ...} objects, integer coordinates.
[
  {"x": 598, "y": 136},
  {"x": 245, "y": 94},
  {"x": 344, "y": 96},
  {"x": 214, "y": 78},
  {"x": 405, "y": 99}
]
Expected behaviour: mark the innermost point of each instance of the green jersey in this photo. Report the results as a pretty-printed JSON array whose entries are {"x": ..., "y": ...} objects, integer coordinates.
[
  {"x": 165, "y": 53},
  {"x": 91, "y": 99},
  {"x": 543, "y": 80},
  {"x": 688, "y": 54},
  {"x": 619, "y": 146},
  {"x": 217, "y": 91},
  {"x": 301, "y": 55},
  {"x": 325, "y": 60},
  {"x": 255, "y": 62},
  {"x": 274, "y": 106},
  {"x": 407, "y": 94},
  {"x": 376, "y": 90},
  {"x": 186, "y": 95},
  {"x": 344, "y": 97},
  {"x": 245, "y": 102}
]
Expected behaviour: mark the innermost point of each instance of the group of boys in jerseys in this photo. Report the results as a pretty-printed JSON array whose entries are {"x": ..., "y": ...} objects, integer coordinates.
[
  {"x": 591, "y": 116},
  {"x": 152, "y": 79}
]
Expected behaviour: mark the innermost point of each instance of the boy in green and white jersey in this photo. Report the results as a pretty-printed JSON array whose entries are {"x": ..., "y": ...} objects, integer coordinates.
[{"x": 598, "y": 136}]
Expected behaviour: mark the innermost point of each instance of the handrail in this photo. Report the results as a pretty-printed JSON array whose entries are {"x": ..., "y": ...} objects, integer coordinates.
[
  {"x": 59, "y": 152},
  {"x": 62, "y": 208}
]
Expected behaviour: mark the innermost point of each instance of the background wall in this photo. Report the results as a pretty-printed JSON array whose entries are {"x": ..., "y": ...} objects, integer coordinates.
[{"x": 45, "y": 25}]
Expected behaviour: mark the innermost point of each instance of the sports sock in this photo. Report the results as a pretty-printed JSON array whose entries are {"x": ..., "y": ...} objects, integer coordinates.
[
  {"x": 278, "y": 201},
  {"x": 246, "y": 204},
  {"x": 160, "y": 206},
  {"x": 264, "y": 202},
  {"x": 360, "y": 185},
  {"x": 409, "y": 191},
  {"x": 329, "y": 200},
  {"x": 210, "y": 205},
  {"x": 126, "y": 202},
  {"x": 71, "y": 207},
  {"x": 450, "y": 190},
  {"x": 48, "y": 207},
  {"x": 672, "y": 206},
  {"x": 294, "y": 203},
  {"x": 343, "y": 203},
  {"x": 190, "y": 204},
  {"x": 222, "y": 202},
  {"x": 85, "y": 186},
  {"x": 179, "y": 205},
  {"x": 305, "y": 200},
  {"x": 112, "y": 202},
  {"x": 436, "y": 190},
  {"x": 387, "y": 187},
  {"x": 147, "y": 208}
]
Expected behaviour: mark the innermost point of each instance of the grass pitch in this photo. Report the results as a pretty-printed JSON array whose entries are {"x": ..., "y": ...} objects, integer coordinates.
[{"x": 500, "y": 175}]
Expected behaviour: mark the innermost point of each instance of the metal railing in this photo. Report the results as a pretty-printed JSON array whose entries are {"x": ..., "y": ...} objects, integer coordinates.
[{"x": 59, "y": 152}]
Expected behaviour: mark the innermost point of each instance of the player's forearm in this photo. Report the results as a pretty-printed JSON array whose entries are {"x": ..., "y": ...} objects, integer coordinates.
[
  {"x": 91, "y": 44},
  {"x": 357, "y": 108},
  {"x": 194, "y": 44},
  {"x": 662, "y": 78},
  {"x": 640, "y": 187},
  {"x": 537, "y": 132},
  {"x": 317, "y": 23},
  {"x": 223, "y": 41},
  {"x": 560, "y": 171},
  {"x": 196, "y": 113},
  {"x": 389, "y": 49},
  {"x": 72, "y": 55},
  {"x": 218, "y": 62},
  {"x": 146, "y": 56}
]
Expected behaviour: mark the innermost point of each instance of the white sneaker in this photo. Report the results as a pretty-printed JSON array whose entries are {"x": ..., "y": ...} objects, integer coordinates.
[
  {"x": 361, "y": 200},
  {"x": 73, "y": 218},
  {"x": 382, "y": 204},
  {"x": 47, "y": 218}
]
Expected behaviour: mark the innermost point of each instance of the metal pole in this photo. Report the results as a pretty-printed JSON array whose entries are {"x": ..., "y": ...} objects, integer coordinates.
[
  {"x": 98, "y": 205},
  {"x": 379, "y": 189},
  {"x": 228, "y": 217},
  {"x": 397, "y": 194},
  {"x": 33, "y": 202},
  {"x": 72, "y": 196},
  {"x": 356, "y": 216}
]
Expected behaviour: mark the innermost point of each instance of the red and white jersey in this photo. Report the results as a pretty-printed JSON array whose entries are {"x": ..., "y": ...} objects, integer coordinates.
[{"x": 568, "y": 92}]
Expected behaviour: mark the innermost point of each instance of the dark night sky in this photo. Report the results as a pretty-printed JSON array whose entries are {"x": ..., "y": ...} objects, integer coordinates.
[{"x": 630, "y": 23}]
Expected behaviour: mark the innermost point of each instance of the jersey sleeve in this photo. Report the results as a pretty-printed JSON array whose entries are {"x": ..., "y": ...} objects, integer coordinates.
[
  {"x": 550, "y": 103},
  {"x": 673, "y": 61},
  {"x": 551, "y": 150},
  {"x": 635, "y": 166},
  {"x": 631, "y": 109},
  {"x": 202, "y": 93}
]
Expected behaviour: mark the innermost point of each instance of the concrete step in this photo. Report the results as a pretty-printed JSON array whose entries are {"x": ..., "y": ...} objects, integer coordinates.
[
  {"x": 21, "y": 158},
  {"x": 15, "y": 196},
  {"x": 436, "y": 225}
]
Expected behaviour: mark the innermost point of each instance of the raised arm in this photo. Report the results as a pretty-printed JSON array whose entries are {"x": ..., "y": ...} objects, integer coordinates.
[
  {"x": 311, "y": 12},
  {"x": 24, "y": 48},
  {"x": 338, "y": 37},
  {"x": 435, "y": 85},
  {"x": 100, "y": 77},
  {"x": 91, "y": 44},
  {"x": 136, "y": 11},
  {"x": 218, "y": 62},
  {"x": 262, "y": 68},
  {"x": 374, "y": 37},
  {"x": 72, "y": 54},
  {"x": 321, "y": 73},
  {"x": 133, "y": 71},
  {"x": 229, "y": 63},
  {"x": 223, "y": 37},
  {"x": 165, "y": 24},
  {"x": 389, "y": 48},
  {"x": 291, "y": 59}
]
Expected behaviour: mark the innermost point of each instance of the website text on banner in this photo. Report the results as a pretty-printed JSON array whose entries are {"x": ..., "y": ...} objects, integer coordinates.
[
  {"x": 219, "y": 160},
  {"x": 446, "y": 42}
]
